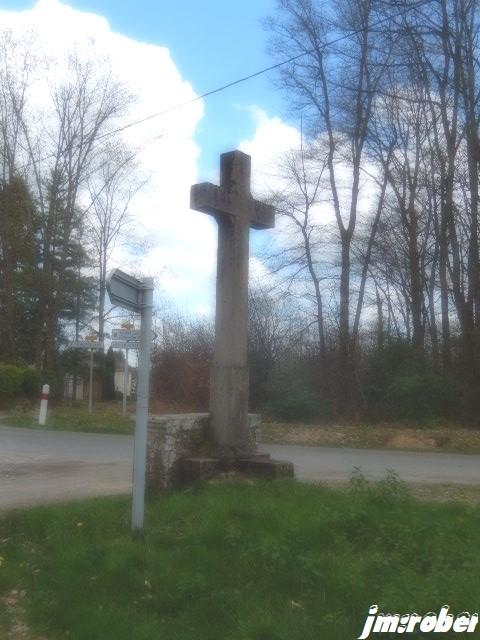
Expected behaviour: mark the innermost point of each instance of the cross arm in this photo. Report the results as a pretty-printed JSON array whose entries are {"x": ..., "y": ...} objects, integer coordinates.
[
  {"x": 262, "y": 216},
  {"x": 209, "y": 198}
]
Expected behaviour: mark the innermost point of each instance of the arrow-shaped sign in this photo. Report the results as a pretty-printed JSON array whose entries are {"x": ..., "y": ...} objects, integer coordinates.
[
  {"x": 125, "y": 291},
  {"x": 124, "y": 344},
  {"x": 86, "y": 344},
  {"x": 126, "y": 334}
]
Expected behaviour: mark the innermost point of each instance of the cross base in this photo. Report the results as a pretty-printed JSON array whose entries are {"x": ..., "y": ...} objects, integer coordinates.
[
  {"x": 198, "y": 469},
  {"x": 229, "y": 412}
]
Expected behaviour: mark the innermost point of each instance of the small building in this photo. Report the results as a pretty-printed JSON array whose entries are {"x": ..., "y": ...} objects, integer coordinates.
[
  {"x": 118, "y": 379},
  {"x": 81, "y": 391}
]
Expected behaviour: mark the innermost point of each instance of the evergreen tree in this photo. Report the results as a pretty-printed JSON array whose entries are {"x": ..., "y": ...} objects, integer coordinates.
[{"x": 19, "y": 278}]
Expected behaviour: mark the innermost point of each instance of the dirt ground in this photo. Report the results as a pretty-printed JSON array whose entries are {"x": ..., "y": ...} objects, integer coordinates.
[
  {"x": 18, "y": 628},
  {"x": 379, "y": 436}
]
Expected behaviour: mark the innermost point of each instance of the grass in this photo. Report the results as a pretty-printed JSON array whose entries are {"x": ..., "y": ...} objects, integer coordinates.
[
  {"x": 280, "y": 561},
  {"x": 106, "y": 418}
]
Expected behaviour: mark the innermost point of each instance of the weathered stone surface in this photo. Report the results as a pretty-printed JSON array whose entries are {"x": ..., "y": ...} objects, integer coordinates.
[
  {"x": 170, "y": 437},
  {"x": 266, "y": 468},
  {"x": 193, "y": 470},
  {"x": 176, "y": 436},
  {"x": 236, "y": 211}
]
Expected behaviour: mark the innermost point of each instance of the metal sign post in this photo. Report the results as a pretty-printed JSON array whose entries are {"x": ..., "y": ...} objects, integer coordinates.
[
  {"x": 91, "y": 346},
  {"x": 143, "y": 388},
  {"x": 130, "y": 335},
  {"x": 90, "y": 385},
  {"x": 125, "y": 382},
  {"x": 137, "y": 295},
  {"x": 130, "y": 340}
]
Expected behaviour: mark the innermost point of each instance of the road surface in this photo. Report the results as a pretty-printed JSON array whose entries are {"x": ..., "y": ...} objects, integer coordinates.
[{"x": 48, "y": 466}]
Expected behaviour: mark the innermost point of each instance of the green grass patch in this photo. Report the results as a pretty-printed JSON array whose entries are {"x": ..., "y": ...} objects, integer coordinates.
[
  {"x": 280, "y": 561},
  {"x": 106, "y": 418}
]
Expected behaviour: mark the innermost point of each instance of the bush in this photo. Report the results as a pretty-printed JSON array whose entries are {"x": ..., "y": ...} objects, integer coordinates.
[
  {"x": 181, "y": 378},
  {"x": 18, "y": 382},
  {"x": 398, "y": 385},
  {"x": 290, "y": 396},
  {"x": 380, "y": 369},
  {"x": 30, "y": 383},
  {"x": 54, "y": 378},
  {"x": 10, "y": 381},
  {"x": 421, "y": 396}
]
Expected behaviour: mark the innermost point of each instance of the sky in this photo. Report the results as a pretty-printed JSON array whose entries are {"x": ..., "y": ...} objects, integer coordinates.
[{"x": 169, "y": 52}]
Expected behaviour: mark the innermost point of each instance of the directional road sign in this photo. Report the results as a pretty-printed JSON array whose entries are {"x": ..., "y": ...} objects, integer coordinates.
[
  {"x": 86, "y": 344},
  {"x": 129, "y": 335},
  {"x": 137, "y": 295},
  {"x": 124, "y": 344},
  {"x": 125, "y": 290}
]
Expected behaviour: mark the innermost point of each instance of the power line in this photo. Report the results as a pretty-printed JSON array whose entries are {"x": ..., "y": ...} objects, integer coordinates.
[
  {"x": 272, "y": 67},
  {"x": 243, "y": 79}
]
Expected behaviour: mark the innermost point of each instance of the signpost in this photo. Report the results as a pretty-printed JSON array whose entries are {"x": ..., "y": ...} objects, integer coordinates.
[
  {"x": 137, "y": 295},
  {"x": 91, "y": 345},
  {"x": 126, "y": 339},
  {"x": 122, "y": 344},
  {"x": 123, "y": 339},
  {"x": 86, "y": 344},
  {"x": 125, "y": 382},
  {"x": 130, "y": 335}
]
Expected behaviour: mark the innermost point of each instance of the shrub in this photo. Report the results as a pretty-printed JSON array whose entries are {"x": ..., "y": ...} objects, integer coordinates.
[
  {"x": 381, "y": 368},
  {"x": 54, "y": 378},
  {"x": 10, "y": 381},
  {"x": 398, "y": 385},
  {"x": 421, "y": 396},
  {"x": 290, "y": 396},
  {"x": 30, "y": 383},
  {"x": 181, "y": 378},
  {"x": 16, "y": 382}
]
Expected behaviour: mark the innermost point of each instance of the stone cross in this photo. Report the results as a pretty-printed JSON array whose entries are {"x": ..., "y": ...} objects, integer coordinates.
[{"x": 235, "y": 210}]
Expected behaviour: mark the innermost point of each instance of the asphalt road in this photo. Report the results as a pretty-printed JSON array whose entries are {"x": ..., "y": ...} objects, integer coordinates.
[{"x": 49, "y": 466}]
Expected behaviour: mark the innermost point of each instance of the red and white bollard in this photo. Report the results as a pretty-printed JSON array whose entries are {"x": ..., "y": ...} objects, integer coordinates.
[{"x": 42, "y": 416}]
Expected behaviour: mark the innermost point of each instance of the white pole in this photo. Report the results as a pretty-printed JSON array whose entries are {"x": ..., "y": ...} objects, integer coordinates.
[
  {"x": 125, "y": 383},
  {"x": 42, "y": 416},
  {"x": 90, "y": 386},
  {"x": 141, "y": 422}
]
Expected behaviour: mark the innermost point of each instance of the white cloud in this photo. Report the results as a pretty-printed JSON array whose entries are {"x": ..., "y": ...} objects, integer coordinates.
[
  {"x": 273, "y": 139},
  {"x": 258, "y": 271},
  {"x": 182, "y": 253}
]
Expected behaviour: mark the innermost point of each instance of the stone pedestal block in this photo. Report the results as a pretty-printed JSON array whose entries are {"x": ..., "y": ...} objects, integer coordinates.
[
  {"x": 171, "y": 438},
  {"x": 197, "y": 469},
  {"x": 265, "y": 467}
]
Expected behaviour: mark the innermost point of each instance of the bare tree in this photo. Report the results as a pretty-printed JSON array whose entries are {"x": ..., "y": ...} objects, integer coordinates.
[
  {"x": 301, "y": 261},
  {"x": 112, "y": 188},
  {"x": 334, "y": 86}
]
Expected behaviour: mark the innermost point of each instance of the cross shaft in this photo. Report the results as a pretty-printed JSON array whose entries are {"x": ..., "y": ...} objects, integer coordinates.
[{"x": 236, "y": 211}]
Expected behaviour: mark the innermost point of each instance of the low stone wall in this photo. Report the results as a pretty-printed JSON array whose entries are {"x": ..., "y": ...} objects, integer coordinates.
[{"x": 176, "y": 436}]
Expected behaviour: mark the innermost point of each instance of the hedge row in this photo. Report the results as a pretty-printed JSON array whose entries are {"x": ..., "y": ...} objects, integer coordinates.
[{"x": 16, "y": 382}]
